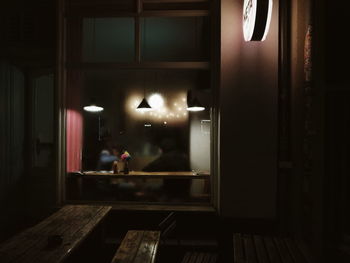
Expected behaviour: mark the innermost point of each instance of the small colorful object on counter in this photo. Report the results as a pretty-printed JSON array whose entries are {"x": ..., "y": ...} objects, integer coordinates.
[
  {"x": 125, "y": 156},
  {"x": 115, "y": 167}
]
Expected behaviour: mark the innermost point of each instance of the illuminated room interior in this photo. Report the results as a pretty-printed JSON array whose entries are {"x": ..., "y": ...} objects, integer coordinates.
[{"x": 174, "y": 131}]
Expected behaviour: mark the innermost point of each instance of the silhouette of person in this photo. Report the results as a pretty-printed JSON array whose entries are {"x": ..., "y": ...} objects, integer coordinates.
[
  {"x": 171, "y": 160},
  {"x": 107, "y": 156}
]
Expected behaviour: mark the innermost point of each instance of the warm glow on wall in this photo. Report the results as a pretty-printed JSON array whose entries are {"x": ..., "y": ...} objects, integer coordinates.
[{"x": 165, "y": 110}]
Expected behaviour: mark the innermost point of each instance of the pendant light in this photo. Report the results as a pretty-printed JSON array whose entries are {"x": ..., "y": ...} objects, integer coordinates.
[
  {"x": 92, "y": 107},
  {"x": 193, "y": 103},
  {"x": 144, "y": 105}
]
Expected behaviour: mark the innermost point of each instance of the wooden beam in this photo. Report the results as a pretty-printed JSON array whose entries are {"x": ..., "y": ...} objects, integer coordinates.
[
  {"x": 174, "y": 1},
  {"x": 98, "y": 13},
  {"x": 176, "y": 13},
  {"x": 138, "y": 32},
  {"x": 59, "y": 106},
  {"x": 138, "y": 206},
  {"x": 143, "y": 65},
  {"x": 152, "y": 13},
  {"x": 215, "y": 73}
]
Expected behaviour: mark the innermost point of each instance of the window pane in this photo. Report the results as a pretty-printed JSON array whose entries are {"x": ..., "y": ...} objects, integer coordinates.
[
  {"x": 175, "y": 39},
  {"x": 168, "y": 139},
  {"x": 108, "y": 39}
]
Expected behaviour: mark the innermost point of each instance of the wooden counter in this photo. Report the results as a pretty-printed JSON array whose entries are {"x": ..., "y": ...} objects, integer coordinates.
[
  {"x": 110, "y": 178},
  {"x": 145, "y": 175}
]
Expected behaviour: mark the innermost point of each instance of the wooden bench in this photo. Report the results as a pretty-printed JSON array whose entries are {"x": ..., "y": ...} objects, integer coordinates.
[
  {"x": 266, "y": 249},
  {"x": 199, "y": 257},
  {"x": 167, "y": 227},
  {"x": 56, "y": 237},
  {"x": 138, "y": 246}
]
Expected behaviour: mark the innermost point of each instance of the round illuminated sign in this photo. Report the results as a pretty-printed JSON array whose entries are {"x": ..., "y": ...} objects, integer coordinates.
[{"x": 256, "y": 19}]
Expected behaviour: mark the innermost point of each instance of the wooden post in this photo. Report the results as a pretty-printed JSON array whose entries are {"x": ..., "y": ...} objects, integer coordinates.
[{"x": 138, "y": 31}]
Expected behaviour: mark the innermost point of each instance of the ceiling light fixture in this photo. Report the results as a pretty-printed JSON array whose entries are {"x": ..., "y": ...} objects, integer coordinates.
[
  {"x": 92, "y": 107},
  {"x": 193, "y": 103},
  {"x": 144, "y": 105},
  {"x": 95, "y": 109}
]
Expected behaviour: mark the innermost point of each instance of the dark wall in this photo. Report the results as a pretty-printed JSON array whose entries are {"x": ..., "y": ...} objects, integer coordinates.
[
  {"x": 296, "y": 217},
  {"x": 334, "y": 75},
  {"x": 248, "y": 118},
  {"x": 12, "y": 126},
  {"x": 12, "y": 142},
  {"x": 318, "y": 187},
  {"x": 27, "y": 51}
]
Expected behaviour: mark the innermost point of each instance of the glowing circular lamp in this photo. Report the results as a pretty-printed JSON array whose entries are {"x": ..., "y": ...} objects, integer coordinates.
[
  {"x": 156, "y": 101},
  {"x": 256, "y": 19}
]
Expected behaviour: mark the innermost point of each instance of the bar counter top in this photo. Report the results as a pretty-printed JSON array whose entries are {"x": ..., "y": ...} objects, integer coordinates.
[{"x": 141, "y": 174}]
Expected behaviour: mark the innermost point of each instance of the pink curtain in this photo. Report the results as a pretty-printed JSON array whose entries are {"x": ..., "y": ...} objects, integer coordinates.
[{"x": 74, "y": 132}]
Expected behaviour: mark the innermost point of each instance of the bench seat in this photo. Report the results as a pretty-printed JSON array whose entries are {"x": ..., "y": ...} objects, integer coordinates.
[
  {"x": 138, "y": 246},
  {"x": 199, "y": 257},
  {"x": 267, "y": 249}
]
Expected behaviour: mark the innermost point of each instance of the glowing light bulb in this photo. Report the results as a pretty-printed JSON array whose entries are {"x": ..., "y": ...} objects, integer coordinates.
[
  {"x": 156, "y": 101},
  {"x": 93, "y": 108}
]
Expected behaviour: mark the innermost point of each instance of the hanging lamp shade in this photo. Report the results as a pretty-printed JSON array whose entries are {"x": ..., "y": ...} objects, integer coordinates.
[
  {"x": 144, "y": 106},
  {"x": 92, "y": 107},
  {"x": 193, "y": 104}
]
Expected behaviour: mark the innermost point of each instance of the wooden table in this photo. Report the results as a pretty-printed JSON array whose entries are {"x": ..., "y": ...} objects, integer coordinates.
[{"x": 71, "y": 224}]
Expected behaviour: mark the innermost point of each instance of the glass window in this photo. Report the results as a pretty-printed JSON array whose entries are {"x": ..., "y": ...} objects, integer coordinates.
[
  {"x": 169, "y": 142},
  {"x": 174, "y": 38},
  {"x": 108, "y": 39}
]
